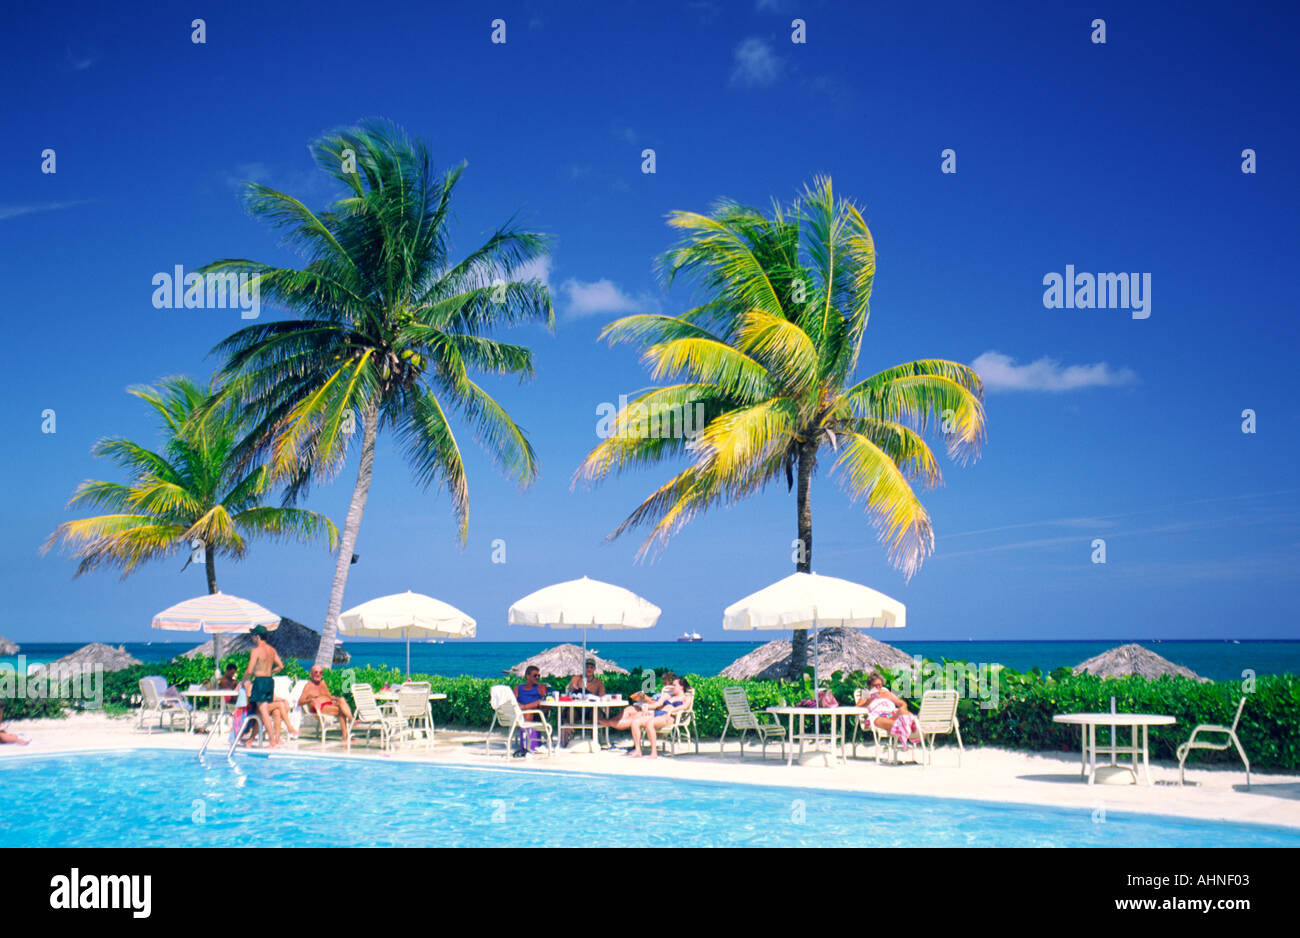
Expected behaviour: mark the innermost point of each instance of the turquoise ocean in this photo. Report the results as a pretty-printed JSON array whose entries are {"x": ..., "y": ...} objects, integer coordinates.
[{"x": 1221, "y": 660}]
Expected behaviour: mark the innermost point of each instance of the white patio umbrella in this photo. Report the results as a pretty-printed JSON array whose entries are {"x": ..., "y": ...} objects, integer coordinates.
[
  {"x": 584, "y": 604},
  {"x": 407, "y": 614},
  {"x": 217, "y": 614},
  {"x": 807, "y": 600}
]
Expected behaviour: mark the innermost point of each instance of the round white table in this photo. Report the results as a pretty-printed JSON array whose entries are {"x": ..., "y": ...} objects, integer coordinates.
[
  {"x": 1090, "y": 748},
  {"x": 593, "y": 708},
  {"x": 834, "y": 737},
  {"x": 216, "y": 696}
]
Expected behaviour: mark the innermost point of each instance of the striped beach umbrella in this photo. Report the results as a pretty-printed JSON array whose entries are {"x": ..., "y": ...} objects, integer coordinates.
[{"x": 216, "y": 614}]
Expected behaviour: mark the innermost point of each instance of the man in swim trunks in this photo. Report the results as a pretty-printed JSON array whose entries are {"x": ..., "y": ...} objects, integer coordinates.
[
  {"x": 316, "y": 698},
  {"x": 263, "y": 662}
]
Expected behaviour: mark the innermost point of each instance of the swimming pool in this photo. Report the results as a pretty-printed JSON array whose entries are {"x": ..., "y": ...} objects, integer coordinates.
[{"x": 167, "y": 798}]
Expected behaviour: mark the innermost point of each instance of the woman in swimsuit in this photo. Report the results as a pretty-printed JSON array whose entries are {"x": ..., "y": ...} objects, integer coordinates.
[
  {"x": 889, "y": 712},
  {"x": 674, "y": 697},
  {"x": 18, "y": 738},
  {"x": 642, "y": 701}
]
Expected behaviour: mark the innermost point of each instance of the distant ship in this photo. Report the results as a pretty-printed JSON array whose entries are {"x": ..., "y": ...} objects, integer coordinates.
[{"x": 691, "y": 637}]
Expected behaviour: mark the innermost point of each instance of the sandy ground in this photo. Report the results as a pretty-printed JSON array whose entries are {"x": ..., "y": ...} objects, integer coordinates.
[{"x": 985, "y": 774}]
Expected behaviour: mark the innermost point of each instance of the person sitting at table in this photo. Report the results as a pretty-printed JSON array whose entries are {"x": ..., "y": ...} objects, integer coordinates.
[
  {"x": 228, "y": 681},
  {"x": 641, "y": 701},
  {"x": 530, "y": 695},
  {"x": 651, "y": 722},
  {"x": 593, "y": 685},
  {"x": 888, "y": 711},
  {"x": 316, "y": 698},
  {"x": 7, "y": 737}
]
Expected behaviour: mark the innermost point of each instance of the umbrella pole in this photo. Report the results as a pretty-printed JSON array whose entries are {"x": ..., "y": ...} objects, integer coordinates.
[
  {"x": 407, "y": 632},
  {"x": 582, "y": 665},
  {"x": 216, "y": 652}
]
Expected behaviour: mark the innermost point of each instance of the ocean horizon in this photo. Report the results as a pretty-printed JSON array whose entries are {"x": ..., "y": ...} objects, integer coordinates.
[{"x": 1220, "y": 660}]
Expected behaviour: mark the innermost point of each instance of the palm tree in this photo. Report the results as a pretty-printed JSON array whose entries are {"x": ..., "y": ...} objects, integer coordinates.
[
  {"x": 389, "y": 329},
  {"x": 193, "y": 489},
  {"x": 771, "y": 355}
]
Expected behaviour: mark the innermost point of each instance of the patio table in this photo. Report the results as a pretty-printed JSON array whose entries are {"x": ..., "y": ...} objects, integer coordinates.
[
  {"x": 593, "y": 708},
  {"x": 834, "y": 737},
  {"x": 213, "y": 696},
  {"x": 1089, "y": 723}
]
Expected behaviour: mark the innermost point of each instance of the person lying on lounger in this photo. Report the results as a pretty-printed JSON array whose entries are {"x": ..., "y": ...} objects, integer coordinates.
[
  {"x": 888, "y": 711},
  {"x": 6, "y": 737},
  {"x": 316, "y": 698},
  {"x": 652, "y": 721}
]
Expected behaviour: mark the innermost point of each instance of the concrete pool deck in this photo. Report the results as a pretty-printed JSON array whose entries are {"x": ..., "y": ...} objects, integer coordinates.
[{"x": 986, "y": 774}]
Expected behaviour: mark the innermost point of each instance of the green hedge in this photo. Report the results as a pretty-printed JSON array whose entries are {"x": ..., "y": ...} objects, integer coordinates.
[{"x": 1022, "y": 719}]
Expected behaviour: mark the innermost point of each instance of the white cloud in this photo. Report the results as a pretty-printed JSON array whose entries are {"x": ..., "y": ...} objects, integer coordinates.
[
  {"x": 14, "y": 211},
  {"x": 602, "y": 297},
  {"x": 539, "y": 268},
  {"x": 1001, "y": 373},
  {"x": 754, "y": 63}
]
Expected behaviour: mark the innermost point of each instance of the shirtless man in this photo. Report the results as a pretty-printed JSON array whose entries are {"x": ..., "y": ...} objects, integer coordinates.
[
  {"x": 263, "y": 662},
  {"x": 316, "y": 697}
]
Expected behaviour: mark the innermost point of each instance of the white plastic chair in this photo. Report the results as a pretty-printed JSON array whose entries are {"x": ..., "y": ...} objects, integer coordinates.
[
  {"x": 938, "y": 714},
  {"x": 152, "y": 689},
  {"x": 371, "y": 717},
  {"x": 507, "y": 714},
  {"x": 414, "y": 710},
  {"x": 1217, "y": 746}
]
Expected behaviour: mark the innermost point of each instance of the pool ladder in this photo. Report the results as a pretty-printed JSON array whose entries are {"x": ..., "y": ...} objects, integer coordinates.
[{"x": 250, "y": 721}]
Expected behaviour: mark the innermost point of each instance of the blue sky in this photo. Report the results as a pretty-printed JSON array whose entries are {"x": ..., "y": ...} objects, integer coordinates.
[{"x": 1117, "y": 157}]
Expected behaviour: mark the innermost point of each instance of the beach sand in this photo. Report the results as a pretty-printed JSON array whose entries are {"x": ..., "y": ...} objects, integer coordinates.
[{"x": 986, "y": 774}]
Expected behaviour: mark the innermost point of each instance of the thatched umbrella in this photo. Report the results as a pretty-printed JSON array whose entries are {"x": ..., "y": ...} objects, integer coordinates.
[
  {"x": 87, "y": 658},
  {"x": 565, "y": 659},
  {"x": 1128, "y": 660},
  {"x": 846, "y": 650},
  {"x": 7, "y": 647},
  {"x": 292, "y": 640}
]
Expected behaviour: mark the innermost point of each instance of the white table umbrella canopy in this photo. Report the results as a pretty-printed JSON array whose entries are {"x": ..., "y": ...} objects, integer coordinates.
[
  {"x": 217, "y": 614},
  {"x": 582, "y": 604},
  {"x": 407, "y": 615},
  {"x": 809, "y": 600}
]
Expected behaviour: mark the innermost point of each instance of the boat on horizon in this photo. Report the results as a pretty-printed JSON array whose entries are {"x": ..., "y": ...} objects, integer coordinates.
[{"x": 690, "y": 637}]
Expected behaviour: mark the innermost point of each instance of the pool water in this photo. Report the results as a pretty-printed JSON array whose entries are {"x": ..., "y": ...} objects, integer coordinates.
[{"x": 168, "y": 798}]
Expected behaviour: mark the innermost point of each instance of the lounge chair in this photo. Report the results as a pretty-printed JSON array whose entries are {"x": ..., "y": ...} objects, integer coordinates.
[
  {"x": 681, "y": 730},
  {"x": 414, "y": 710},
  {"x": 938, "y": 714},
  {"x": 1217, "y": 746},
  {"x": 312, "y": 721},
  {"x": 152, "y": 689},
  {"x": 371, "y": 718},
  {"x": 741, "y": 717},
  {"x": 507, "y": 714},
  {"x": 885, "y": 741}
]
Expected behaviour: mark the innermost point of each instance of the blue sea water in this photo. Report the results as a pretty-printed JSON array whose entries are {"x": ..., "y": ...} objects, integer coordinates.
[
  {"x": 167, "y": 798},
  {"x": 1215, "y": 660}
]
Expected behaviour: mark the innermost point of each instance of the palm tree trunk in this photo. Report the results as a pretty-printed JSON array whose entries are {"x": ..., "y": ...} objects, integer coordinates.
[
  {"x": 799, "y": 641},
  {"x": 209, "y": 559},
  {"x": 330, "y": 632}
]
